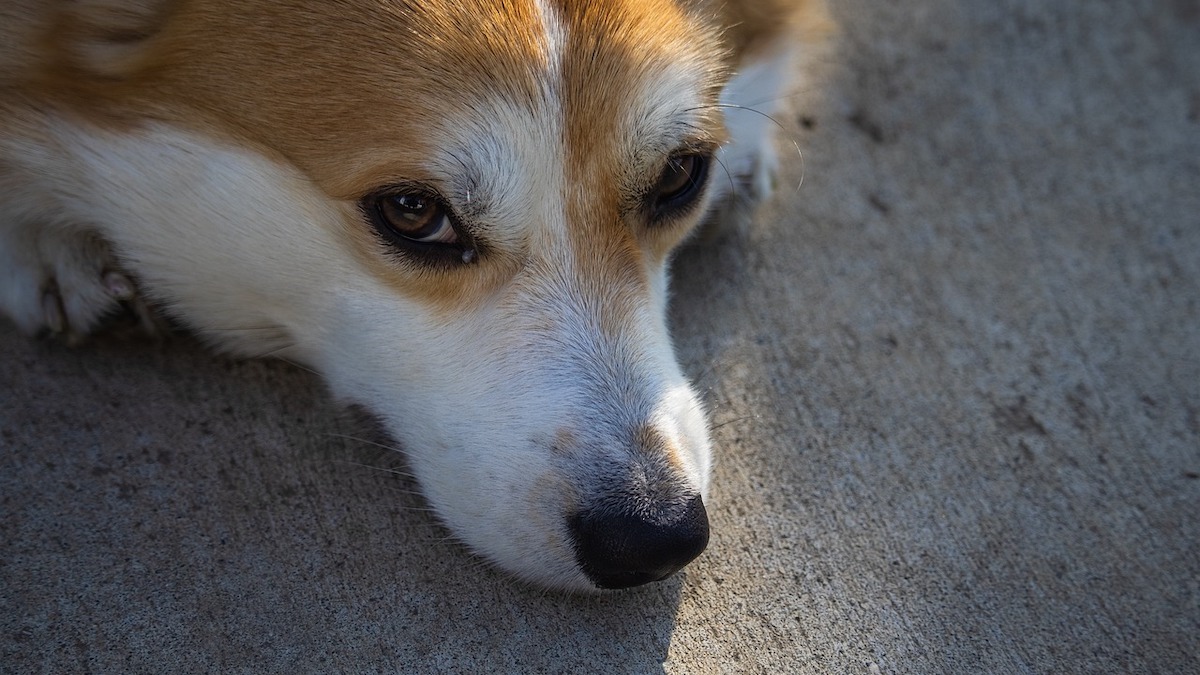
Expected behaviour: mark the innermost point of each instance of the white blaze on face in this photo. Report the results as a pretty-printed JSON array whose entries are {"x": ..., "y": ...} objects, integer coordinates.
[
  {"x": 554, "y": 33},
  {"x": 538, "y": 395}
]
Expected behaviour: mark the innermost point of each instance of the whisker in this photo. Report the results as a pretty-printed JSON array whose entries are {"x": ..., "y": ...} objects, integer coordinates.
[
  {"x": 708, "y": 370},
  {"x": 236, "y": 329},
  {"x": 453, "y": 538},
  {"x": 705, "y": 393},
  {"x": 711, "y": 367},
  {"x": 296, "y": 364},
  {"x": 394, "y": 472},
  {"x": 408, "y": 494},
  {"x": 271, "y": 353},
  {"x": 728, "y": 175},
  {"x": 794, "y": 93},
  {"x": 755, "y": 416},
  {"x": 790, "y": 137},
  {"x": 389, "y": 448},
  {"x": 409, "y": 509}
]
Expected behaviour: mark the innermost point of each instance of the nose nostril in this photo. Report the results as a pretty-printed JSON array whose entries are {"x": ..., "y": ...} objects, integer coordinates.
[{"x": 619, "y": 549}]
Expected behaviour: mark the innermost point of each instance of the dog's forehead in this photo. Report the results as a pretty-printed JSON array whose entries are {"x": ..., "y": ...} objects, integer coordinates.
[
  {"x": 604, "y": 105},
  {"x": 548, "y": 82},
  {"x": 354, "y": 92}
]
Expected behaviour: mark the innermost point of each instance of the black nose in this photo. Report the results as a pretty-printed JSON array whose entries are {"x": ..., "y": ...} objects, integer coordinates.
[{"x": 619, "y": 549}]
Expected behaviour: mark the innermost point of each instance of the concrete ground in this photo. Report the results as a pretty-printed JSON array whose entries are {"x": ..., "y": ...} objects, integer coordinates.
[{"x": 956, "y": 390}]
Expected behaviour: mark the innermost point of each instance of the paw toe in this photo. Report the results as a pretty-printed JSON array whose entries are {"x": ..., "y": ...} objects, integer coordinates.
[{"x": 65, "y": 283}]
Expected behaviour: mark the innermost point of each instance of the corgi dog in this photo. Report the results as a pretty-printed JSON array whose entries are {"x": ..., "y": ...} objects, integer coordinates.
[{"x": 459, "y": 212}]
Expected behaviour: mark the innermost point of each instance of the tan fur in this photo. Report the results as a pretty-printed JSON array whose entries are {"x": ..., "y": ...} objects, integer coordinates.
[
  {"x": 207, "y": 64},
  {"x": 315, "y": 105},
  {"x": 755, "y": 23}
]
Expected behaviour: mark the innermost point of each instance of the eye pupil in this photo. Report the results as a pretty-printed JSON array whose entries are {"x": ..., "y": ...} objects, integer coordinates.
[
  {"x": 678, "y": 175},
  {"x": 681, "y": 181},
  {"x": 409, "y": 201},
  {"x": 407, "y": 208},
  {"x": 414, "y": 217}
]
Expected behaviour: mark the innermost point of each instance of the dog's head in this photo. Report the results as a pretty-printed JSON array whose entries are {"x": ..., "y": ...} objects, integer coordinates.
[{"x": 462, "y": 213}]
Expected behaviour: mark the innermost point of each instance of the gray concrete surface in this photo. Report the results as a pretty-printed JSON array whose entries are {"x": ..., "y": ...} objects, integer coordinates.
[{"x": 956, "y": 386}]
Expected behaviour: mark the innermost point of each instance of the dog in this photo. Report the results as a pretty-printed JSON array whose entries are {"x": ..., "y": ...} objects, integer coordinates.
[{"x": 460, "y": 212}]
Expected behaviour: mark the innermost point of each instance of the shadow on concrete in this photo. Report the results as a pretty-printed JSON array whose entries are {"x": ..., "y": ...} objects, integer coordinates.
[{"x": 166, "y": 509}]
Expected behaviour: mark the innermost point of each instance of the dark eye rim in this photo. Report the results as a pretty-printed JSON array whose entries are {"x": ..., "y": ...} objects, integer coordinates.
[
  {"x": 680, "y": 203},
  {"x": 422, "y": 251}
]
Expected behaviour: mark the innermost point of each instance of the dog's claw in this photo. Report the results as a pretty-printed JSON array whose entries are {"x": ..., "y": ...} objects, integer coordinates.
[
  {"x": 150, "y": 324},
  {"x": 52, "y": 313}
]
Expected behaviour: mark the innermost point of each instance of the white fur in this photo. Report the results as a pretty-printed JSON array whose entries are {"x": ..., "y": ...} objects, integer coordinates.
[
  {"x": 511, "y": 412},
  {"x": 555, "y": 37}
]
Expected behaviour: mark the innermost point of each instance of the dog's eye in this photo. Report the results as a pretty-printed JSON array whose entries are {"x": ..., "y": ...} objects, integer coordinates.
[
  {"x": 414, "y": 217},
  {"x": 681, "y": 181}
]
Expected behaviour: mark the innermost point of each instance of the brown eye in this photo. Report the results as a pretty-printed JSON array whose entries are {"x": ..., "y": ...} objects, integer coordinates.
[
  {"x": 682, "y": 180},
  {"x": 414, "y": 217}
]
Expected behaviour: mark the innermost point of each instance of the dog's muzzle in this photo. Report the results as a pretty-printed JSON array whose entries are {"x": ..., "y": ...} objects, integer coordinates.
[{"x": 618, "y": 548}]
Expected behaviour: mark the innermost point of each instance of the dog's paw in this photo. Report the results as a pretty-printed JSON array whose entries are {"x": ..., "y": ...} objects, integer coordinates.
[
  {"x": 758, "y": 175},
  {"x": 66, "y": 284},
  {"x": 750, "y": 177}
]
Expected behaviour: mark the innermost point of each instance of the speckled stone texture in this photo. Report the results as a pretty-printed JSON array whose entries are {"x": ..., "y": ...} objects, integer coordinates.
[{"x": 955, "y": 382}]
